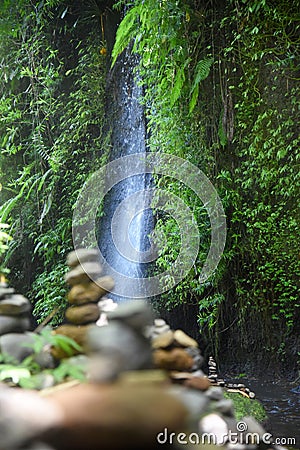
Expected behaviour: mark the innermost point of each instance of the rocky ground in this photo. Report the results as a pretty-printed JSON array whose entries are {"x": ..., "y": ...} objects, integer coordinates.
[{"x": 144, "y": 383}]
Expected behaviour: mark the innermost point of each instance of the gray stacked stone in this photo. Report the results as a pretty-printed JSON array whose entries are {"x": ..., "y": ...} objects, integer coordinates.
[
  {"x": 14, "y": 311},
  {"x": 16, "y": 341},
  {"x": 216, "y": 380}
]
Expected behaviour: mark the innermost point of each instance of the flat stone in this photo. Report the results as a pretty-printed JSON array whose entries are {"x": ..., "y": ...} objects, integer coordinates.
[
  {"x": 144, "y": 377},
  {"x": 174, "y": 359},
  {"x": 83, "y": 273},
  {"x": 114, "y": 416},
  {"x": 213, "y": 376},
  {"x": 198, "y": 383},
  {"x": 184, "y": 340},
  {"x": 13, "y": 324},
  {"x": 4, "y": 291},
  {"x": 136, "y": 313},
  {"x": 83, "y": 314},
  {"x": 186, "y": 375},
  {"x": 160, "y": 323},
  {"x": 212, "y": 362},
  {"x": 157, "y": 331},
  {"x": 180, "y": 375},
  {"x": 163, "y": 340},
  {"x": 90, "y": 292},
  {"x": 14, "y": 305},
  {"x": 121, "y": 343},
  {"x": 160, "y": 326},
  {"x": 82, "y": 255}
]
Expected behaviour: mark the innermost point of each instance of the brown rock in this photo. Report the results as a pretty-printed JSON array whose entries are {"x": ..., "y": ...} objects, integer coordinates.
[
  {"x": 83, "y": 314},
  {"x": 77, "y": 333},
  {"x": 184, "y": 340},
  {"x": 114, "y": 416},
  {"x": 83, "y": 273},
  {"x": 90, "y": 292},
  {"x": 143, "y": 377},
  {"x": 163, "y": 340},
  {"x": 175, "y": 359},
  {"x": 199, "y": 383},
  {"x": 180, "y": 376},
  {"x": 82, "y": 255}
]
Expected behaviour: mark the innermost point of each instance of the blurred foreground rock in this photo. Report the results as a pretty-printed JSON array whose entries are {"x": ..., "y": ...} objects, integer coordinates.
[
  {"x": 114, "y": 416},
  {"x": 146, "y": 387}
]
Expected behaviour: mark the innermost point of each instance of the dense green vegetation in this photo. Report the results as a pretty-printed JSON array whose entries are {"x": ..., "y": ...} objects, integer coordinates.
[
  {"x": 221, "y": 90},
  {"x": 51, "y": 131}
]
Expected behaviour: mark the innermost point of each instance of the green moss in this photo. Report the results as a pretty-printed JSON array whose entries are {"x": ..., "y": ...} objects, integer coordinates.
[{"x": 246, "y": 407}]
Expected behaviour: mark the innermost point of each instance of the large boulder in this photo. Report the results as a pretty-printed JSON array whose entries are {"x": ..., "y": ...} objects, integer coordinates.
[{"x": 114, "y": 416}]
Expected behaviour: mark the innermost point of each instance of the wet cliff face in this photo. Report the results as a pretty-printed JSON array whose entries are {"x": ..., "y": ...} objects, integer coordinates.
[{"x": 126, "y": 224}]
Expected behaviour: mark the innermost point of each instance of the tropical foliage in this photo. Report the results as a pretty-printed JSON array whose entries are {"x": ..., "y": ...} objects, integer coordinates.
[
  {"x": 52, "y": 84},
  {"x": 221, "y": 90}
]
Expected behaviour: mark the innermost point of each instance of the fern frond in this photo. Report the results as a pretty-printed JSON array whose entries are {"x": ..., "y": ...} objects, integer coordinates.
[
  {"x": 178, "y": 84},
  {"x": 125, "y": 33},
  {"x": 201, "y": 72}
]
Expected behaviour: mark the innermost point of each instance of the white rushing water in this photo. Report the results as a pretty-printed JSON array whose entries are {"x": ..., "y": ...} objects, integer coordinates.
[{"x": 127, "y": 221}]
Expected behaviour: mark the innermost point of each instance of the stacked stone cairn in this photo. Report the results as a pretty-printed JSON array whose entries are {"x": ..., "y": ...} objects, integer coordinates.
[
  {"x": 84, "y": 297},
  {"x": 212, "y": 373},
  {"x": 14, "y": 311},
  {"x": 216, "y": 380},
  {"x": 16, "y": 341},
  {"x": 146, "y": 388},
  {"x": 127, "y": 404},
  {"x": 178, "y": 354}
]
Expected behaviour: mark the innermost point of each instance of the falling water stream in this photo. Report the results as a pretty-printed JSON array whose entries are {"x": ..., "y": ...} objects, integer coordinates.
[{"x": 125, "y": 227}]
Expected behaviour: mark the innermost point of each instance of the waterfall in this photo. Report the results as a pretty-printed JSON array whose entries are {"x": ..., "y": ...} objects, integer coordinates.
[{"x": 124, "y": 229}]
